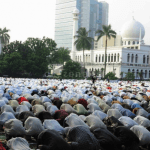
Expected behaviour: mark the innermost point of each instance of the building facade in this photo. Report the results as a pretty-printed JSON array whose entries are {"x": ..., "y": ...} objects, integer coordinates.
[
  {"x": 130, "y": 55},
  {"x": 93, "y": 14},
  {"x": 110, "y": 42}
]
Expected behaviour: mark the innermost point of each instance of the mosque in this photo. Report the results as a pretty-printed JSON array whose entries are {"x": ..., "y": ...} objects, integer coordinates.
[{"x": 126, "y": 53}]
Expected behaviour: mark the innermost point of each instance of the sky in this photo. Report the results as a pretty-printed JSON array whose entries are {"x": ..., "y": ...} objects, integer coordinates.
[{"x": 36, "y": 18}]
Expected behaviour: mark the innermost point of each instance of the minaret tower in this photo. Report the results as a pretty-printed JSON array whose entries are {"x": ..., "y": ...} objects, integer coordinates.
[{"x": 75, "y": 29}]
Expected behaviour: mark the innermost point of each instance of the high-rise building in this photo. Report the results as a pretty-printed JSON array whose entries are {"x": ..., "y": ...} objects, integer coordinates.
[{"x": 93, "y": 14}]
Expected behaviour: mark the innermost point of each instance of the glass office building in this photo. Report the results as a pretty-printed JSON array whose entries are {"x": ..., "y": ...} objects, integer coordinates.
[{"x": 93, "y": 15}]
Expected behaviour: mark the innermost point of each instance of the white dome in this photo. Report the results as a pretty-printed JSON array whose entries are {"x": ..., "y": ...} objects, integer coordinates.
[
  {"x": 131, "y": 31},
  {"x": 75, "y": 11}
]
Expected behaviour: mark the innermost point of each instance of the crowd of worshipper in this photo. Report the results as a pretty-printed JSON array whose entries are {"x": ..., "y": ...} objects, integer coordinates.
[{"x": 74, "y": 114}]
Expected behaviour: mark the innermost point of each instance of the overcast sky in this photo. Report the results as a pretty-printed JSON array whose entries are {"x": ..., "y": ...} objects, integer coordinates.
[{"x": 36, "y": 18}]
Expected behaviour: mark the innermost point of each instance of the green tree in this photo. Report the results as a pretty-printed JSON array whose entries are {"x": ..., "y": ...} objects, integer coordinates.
[
  {"x": 35, "y": 54},
  {"x": 11, "y": 64},
  {"x": 111, "y": 76},
  {"x": 71, "y": 70},
  {"x": 62, "y": 55},
  {"x": 4, "y": 36},
  {"x": 130, "y": 76},
  {"x": 83, "y": 42},
  {"x": 41, "y": 55},
  {"x": 108, "y": 32},
  {"x": 97, "y": 72}
]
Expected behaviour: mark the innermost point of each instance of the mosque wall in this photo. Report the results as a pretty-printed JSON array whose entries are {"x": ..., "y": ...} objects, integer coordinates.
[
  {"x": 119, "y": 60},
  {"x": 131, "y": 54}
]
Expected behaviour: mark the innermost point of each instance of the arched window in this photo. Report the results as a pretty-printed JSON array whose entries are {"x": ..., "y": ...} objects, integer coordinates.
[
  {"x": 132, "y": 58},
  {"x": 99, "y": 58},
  {"x": 115, "y": 58},
  {"x": 136, "y": 58},
  {"x": 111, "y": 57},
  {"x": 144, "y": 59},
  {"x": 103, "y": 58},
  {"x": 96, "y": 58},
  {"x": 145, "y": 73},
  {"x": 128, "y": 57},
  {"x": 128, "y": 42},
  {"x": 147, "y": 59},
  {"x": 133, "y": 42},
  {"x": 118, "y": 57},
  {"x": 128, "y": 70}
]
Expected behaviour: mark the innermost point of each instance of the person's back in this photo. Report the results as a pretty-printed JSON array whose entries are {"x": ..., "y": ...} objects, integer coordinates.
[
  {"x": 33, "y": 126},
  {"x": 82, "y": 139},
  {"x": 51, "y": 139}
]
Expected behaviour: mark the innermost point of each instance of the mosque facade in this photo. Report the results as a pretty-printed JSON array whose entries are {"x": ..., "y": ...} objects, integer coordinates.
[{"x": 130, "y": 55}]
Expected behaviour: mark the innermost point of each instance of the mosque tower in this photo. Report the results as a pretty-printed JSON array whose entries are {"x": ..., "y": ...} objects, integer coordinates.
[{"x": 75, "y": 29}]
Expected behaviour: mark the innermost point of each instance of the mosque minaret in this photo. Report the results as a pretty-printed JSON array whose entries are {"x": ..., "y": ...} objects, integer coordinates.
[{"x": 75, "y": 29}]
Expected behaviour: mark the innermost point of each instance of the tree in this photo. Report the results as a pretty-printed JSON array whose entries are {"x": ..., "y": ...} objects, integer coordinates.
[
  {"x": 97, "y": 72},
  {"x": 4, "y": 36},
  {"x": 35, "y": 55},
  {"x": 62, "y": 55},
  {"x": 108, "y": 32},
  {"x": 130, "y": 76},
  {"x": 83, "y": 42},
  {"x": 111, "y": 76},
  {"x": 11, "y": 64},
  {"x": 42, "y": 54},
  {"x": 71, "y": 70}
]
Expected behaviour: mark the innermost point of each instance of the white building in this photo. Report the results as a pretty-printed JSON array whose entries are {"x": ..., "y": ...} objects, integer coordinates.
[{"x": 132, "y": 56}]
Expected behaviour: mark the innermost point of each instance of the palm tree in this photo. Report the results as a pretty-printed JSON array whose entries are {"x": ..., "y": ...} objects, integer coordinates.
[
  {"x": 108, "y": 32},
  {"x": 4, "y": 36},
  {"x": 83, "y": 42}
]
